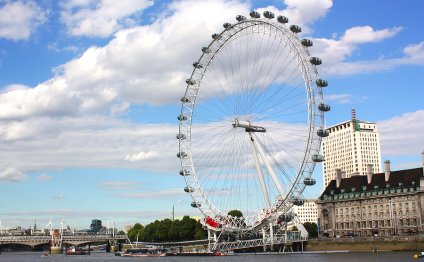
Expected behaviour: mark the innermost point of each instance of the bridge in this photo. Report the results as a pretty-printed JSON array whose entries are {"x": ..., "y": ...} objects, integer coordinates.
[{"x": 65, "y": 239}]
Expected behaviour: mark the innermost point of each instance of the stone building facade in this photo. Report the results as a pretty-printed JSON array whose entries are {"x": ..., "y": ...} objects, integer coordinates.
[
  {"x": 385, "y": 204},
  {"x": 307, "y": 212}
]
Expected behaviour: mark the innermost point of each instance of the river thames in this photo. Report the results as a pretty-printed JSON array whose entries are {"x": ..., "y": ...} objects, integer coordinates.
[{"x": 297, "y": 257}]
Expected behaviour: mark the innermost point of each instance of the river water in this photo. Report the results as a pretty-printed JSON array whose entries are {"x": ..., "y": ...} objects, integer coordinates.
[{"x": 296, "y": 257}]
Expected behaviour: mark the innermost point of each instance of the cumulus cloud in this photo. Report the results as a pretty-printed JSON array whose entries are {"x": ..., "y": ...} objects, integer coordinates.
[
  {"x": 101, "y": 18},
  {"x": 44, "y": 177},
  {"x": 402, "y": 135},
  {"x": 19, "y": 19},
  {"x": 12, "y": 175}
]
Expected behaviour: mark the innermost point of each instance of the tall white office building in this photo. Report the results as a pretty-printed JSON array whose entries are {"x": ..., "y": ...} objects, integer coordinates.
[{"x": 351, "y": 146}]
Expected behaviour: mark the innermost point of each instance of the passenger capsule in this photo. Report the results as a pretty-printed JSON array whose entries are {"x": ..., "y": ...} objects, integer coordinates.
[
  {"x": 321, "y": 83},
  {"x": 254, "y": 14},
  {"x": 282, "y": 19},
  {"x": 324, "y": 107},
  {"x": 197, "y": 65},
  {"x": 315, "y": 60},
  {"x": 205, "y": 50},
  {"x": 190, "y": 81},
  {"x": 295, "y": 29},
  {"x": 285, "y": 217},
  {"x": 322, "y": 132},
  {"x": 226, "y": 25},
  {"x": 216, "y": 36},
  {"x": 182, "y": 154},
  {"x": 240, "y": 18},
  {"x": 181, "y": 136},
  {"x": 182, "y": 117},
  {"x": 185, "y": 99},
  {"x": 269, "y": 14},
  {"x": 194, "y": 204},
  {"x": 306, "y": 42},
  {"x": 309, "y": 181},
  {"x": 188, "y": 189},
  {"x": 298, "y": 201},
  {"x": 317, "y": 158},
  {"x": 184, "y": 172}
]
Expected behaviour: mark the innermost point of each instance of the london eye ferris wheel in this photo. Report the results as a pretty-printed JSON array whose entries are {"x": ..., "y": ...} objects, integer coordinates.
[{"x": 251, "y": 123}]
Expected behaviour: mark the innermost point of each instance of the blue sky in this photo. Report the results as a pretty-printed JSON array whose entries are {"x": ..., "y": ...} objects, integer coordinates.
[{"x": 89, "y": 93}]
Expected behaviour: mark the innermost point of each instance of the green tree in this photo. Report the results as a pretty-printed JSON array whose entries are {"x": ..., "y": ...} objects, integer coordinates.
[
  {"x": 235, "y": 213},
  {"x": 294, "y": 228},
  {"x": 187, "y": 227},
  {"x": 174, "y": 231},
  {"x": 136, "y": 232},
  {"x": 162, "y": 230},
  {"x": 199, "y": 232},
  {"x": 312, "y": 229}
]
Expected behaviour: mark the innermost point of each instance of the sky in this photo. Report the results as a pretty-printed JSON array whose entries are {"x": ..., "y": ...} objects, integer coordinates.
[{"x": 90, "y": 89}]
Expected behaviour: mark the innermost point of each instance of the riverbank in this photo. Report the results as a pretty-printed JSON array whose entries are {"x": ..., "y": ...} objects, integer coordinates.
[{"x": 362, "y": 244}]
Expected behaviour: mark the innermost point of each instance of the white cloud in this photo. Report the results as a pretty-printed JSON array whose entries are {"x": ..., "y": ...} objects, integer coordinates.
[
  {"x": 101, "y": 18},
  {"x": 12, "y": 175},
  {"x": 58, "y": 197},
  {"x": 367, "y": 34},
  {"x": 44, "y": 177},
  {"x": 402, "y": 135},
  {"x": 344, "y": 98},
  {"x": 306, "y": 12},
  {"x": 177, "y": 192},
  {"x": 19, "y": 19},
  {"x": 118, "y": 185},
  {"x": 142, "y": 156},
  {"x": 90, "y": 141}
]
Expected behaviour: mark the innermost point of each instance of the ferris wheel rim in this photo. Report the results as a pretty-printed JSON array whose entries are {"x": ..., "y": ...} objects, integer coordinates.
[{"x": 198, "y": 195}]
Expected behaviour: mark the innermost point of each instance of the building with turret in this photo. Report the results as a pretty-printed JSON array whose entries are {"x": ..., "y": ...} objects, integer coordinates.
[{"x": 385, "y": 204}]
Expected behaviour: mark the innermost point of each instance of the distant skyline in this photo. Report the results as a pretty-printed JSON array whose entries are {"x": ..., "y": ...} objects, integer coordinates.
[{"x": 89, "y": 94}]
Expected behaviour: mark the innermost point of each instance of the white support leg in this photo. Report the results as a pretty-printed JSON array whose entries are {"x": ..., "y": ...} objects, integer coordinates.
[
  {"x": 269, "y": 167},
  {"x": 260, "y": 174}
]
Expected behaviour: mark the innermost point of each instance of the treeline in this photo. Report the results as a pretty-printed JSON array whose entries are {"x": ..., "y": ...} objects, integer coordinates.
[{"x": 168, "y": 230}]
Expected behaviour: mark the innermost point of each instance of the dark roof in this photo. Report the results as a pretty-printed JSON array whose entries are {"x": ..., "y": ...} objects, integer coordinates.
[{"x": 406, "y": 177}]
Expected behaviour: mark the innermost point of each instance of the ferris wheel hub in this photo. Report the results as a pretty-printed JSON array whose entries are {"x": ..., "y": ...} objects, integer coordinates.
[{"x": 248, "y": 126}]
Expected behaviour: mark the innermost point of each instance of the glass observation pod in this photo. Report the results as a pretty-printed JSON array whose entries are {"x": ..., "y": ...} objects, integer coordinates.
[
  {"x": 324, "y": 107},
  {"x": 197, "y": 64},
  {"x": 181, "y": 136},
  {"x": 188, "y": 189},
  {"x": 269, "y": 14},
  {"x": 216, "y": 36},
  {"x": 226, "y": 25},
  {"x": 254, "y": 14},
  {"x": 295, "y": 29},
  {"x": 182, "y": 117},
  {"x": 240, "y": 18},
  {"x": 182, "y": 154},
  {"x": 321, "y": 82},
  {"x": 323, "y": 132},
  {"x": 285, "y": 217},
  {"x": 315, "y": 60},
  {"x": 191, "y": 82},
  {"x": 298, "y": 201},
  {"x": 205, "y": 50},
  {"x": 185, "y": 99},
  {"x": 184, "y": 172},
  {"x": 194, "y": 204},
  {"x": 309, "y": 181},
  {"x": 317, "y": 158},
  {"x": 307, "y": 42},
  {"x": 282, "y": 19}
]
